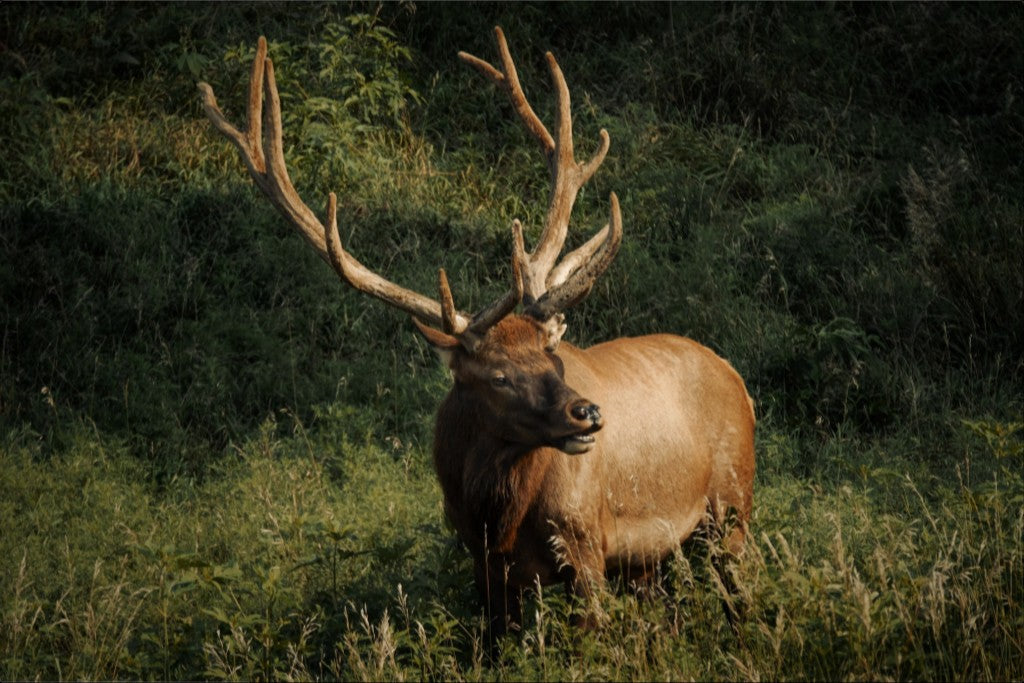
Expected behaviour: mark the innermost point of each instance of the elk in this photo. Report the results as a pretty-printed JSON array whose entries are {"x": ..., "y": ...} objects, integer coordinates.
[{"x": 557, "y": 464}]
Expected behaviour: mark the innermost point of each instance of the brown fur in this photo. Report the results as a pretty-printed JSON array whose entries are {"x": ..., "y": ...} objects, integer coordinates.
[{"x": 677, "y": 442}]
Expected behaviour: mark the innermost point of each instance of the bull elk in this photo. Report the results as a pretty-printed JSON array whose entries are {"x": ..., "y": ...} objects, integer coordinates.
[{"x": 557, "y": 464}]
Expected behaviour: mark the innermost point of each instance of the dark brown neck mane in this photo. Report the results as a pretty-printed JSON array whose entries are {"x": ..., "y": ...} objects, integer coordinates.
[{"x": 495, "y": 481}]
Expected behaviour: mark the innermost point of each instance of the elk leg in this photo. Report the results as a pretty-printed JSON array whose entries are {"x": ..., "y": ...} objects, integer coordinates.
[
  {"x": 584, "y": 578},
  {"x": 732, "y": 603},
  {"x": 730, "y": 531},
  {"x": 502, "y": 600}
]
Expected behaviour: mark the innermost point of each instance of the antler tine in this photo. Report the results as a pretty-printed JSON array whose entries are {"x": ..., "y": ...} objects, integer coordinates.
[
  {"x": 509, "y": 81},
  {"x": 449, "y": 316},
  {"x": 595, "y": 256},
  {"x": 250, "y": 142},
  {"x": 262, "y": 150},
  {"x": 277, "y": 183},
  {"x": 541, "y": 274}
]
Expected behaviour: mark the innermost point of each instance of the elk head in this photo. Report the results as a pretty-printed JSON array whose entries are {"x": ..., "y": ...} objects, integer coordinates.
[
  {"x": 508, "y": 360},
  {"x": 518, "y": 387}
]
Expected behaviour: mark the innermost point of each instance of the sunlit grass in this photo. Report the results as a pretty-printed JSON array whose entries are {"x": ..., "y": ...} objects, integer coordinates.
[{"x": 313, "y": 556}]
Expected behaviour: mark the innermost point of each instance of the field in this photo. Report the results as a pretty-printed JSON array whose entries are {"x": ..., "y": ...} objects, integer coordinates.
[{"x": 215, "y": 458}]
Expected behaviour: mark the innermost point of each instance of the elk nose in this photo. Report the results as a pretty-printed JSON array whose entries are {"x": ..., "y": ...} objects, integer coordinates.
[{"x": 586, "y": 411}]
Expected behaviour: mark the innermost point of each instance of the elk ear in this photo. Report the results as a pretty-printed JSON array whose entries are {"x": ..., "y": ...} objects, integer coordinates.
[
  {"x": 444, "y": 344},
  {"x": 553, "y": 328}
]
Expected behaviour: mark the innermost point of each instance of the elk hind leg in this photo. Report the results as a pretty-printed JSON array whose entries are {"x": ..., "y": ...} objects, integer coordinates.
[{"x": 727, "y": 537}]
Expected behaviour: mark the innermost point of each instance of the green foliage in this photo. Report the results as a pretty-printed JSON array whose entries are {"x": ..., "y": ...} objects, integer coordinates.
[
  {"x": 356, "y": 86},
  {"x": 215, "y": 460},
  {"x": 315, "y": 556},
  {"x": 1002, "y": 439},
  {"x": 361, "y": 60},
  {"x": 960, "y": 230},
  {"x": 829, "y": 374}
]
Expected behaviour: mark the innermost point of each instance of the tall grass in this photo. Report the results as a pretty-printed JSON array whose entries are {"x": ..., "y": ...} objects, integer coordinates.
[
  {"x": 214, "y": 459},
  {"x": 317, "y": 556}
]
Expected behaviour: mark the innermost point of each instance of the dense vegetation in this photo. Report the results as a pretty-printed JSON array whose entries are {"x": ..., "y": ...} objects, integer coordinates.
[{"x": 215, "y": 459}]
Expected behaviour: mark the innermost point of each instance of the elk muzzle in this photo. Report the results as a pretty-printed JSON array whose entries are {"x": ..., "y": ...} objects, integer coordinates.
[{"x": 587, "y": 417}]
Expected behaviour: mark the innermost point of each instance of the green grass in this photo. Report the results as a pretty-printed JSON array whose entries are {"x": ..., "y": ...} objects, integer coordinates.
[
  {"x": 215, "y": 459},
  {"x": 314, "y": 555}
]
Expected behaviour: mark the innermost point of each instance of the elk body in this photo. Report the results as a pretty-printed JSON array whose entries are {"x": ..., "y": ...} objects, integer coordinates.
[{"x": 557, "y": 464}]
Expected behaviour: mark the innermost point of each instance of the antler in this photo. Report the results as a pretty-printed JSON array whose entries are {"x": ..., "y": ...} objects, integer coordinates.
[
  {"x": 262, "y": 151},
  {"x": 551, "y": 288}
]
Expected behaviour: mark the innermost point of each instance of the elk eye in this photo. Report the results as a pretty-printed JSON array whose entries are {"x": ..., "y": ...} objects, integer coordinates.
[{"x": 501, "y": 382}]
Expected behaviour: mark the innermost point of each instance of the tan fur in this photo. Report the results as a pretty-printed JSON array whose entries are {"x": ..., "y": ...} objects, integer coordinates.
[{"x": 677, "y": 442}]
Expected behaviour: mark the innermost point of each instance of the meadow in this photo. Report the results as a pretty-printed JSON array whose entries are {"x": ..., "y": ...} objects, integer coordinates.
[{"x": 215, "y": 459}]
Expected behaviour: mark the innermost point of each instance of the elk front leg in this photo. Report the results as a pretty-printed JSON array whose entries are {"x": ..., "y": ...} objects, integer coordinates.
[
  {"x": 584, "y": 574},
  {"x": 502, "y": 600}
]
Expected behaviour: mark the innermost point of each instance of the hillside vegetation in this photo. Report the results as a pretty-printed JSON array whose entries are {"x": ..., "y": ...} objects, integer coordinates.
[{"x": 215, "y": 458}]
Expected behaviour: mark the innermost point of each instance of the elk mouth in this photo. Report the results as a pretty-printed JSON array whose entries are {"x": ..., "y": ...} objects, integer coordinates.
[{"x": 577, "y": 444}]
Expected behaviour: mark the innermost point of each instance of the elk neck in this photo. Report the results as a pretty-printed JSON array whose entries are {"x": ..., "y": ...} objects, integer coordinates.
[{"x": 495, "y": 480}]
